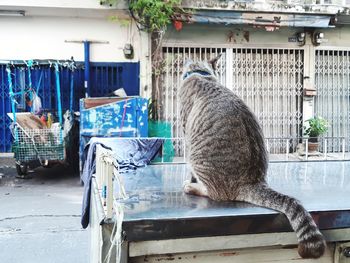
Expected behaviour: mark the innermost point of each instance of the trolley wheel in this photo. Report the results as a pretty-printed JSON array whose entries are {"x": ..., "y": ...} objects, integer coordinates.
[{"x": 22, "y": 169}]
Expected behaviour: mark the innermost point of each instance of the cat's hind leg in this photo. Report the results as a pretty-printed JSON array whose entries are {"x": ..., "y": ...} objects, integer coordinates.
[{"x": 196, "y": 188}]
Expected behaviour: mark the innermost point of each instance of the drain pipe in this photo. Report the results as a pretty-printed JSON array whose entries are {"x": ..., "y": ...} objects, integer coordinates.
[{"x": 87, "y": 43}]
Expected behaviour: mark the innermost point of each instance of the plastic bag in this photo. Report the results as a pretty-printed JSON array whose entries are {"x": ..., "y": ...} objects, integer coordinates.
[{"x": 36, "y": 105}]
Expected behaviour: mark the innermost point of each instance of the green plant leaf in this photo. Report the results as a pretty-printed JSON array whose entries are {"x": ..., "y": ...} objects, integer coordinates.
[
  {"x": 317, "y": 126},
  {"x": 154, "y": 14}
]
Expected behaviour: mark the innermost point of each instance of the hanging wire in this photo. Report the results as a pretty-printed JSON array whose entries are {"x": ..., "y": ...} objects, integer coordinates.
[{"x": 69, "y": 63}]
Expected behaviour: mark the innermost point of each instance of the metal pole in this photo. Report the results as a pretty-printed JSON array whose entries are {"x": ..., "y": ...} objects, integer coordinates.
[
  {"x": 29, "y": 65},
  {"x": 306, "y": 149},
  {"x": 87, "y": 43},
  {"x": 71, "y": 99},
  {"x": 87, "y": 68},
  {"x": 12, "y": 98},
  {"x": 58, "y": 94}
]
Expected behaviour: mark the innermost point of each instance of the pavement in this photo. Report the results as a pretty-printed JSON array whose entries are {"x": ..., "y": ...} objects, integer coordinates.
[{"x": 40, "y": 217}]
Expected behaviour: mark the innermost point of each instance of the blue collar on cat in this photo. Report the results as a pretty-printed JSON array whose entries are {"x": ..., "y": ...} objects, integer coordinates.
[{"x": 201, "y": 72}]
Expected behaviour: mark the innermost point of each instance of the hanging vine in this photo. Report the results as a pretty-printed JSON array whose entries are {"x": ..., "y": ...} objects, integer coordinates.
[{"x": 153, "y": 16}]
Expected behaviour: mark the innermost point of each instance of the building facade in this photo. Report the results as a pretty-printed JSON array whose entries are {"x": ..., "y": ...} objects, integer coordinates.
[{"x": 288, "y": 60}]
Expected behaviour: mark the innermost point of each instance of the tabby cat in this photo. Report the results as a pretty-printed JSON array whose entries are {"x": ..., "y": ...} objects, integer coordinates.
[{"x": 227, "y": 153}]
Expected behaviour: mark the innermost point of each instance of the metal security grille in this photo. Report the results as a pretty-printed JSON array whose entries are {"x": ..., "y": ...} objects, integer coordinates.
[
  {"x": 175, "y": 58},
  {"x": 270, "y": 82},
  {"x": 332, "y": 80}
]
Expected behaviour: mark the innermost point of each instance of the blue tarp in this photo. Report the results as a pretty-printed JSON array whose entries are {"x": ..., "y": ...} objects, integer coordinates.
[{"x": 130, "y": 154}]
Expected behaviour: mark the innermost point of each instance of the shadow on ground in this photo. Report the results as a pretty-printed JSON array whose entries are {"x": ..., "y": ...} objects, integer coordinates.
[
  {"x": 58, "y": 174},
  {"x": 40, "y": 217}
]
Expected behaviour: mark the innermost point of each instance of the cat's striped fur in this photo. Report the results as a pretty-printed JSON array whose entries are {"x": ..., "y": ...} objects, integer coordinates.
[{"x": 228, "y": 155}]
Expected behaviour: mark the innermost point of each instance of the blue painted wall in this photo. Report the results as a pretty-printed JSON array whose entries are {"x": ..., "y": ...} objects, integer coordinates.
[{"x": 105, "y": 78}]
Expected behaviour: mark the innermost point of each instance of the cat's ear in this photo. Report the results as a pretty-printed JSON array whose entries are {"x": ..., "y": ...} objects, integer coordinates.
[
  {"x": 213, "y": 62},
  {"x": 188, "y": 61},
  {"x": 187, "y": 65}
]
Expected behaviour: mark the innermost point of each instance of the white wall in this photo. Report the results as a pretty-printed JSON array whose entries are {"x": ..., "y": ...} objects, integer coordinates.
[
  {"x": 44, "y": 38},
  {"x": 95, "y": 4}
]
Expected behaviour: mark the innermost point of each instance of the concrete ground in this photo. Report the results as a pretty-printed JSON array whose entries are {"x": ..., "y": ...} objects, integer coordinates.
[{"x": 40, "y": 217}]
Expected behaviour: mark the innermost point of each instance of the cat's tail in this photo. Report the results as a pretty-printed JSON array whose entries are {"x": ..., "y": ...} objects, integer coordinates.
[{"x": 311, "y": 242}]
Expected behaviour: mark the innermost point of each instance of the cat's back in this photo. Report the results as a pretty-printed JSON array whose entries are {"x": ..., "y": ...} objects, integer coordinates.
[
  {"x": 214, "y": 103},
  {"x": 221, "y": 128}
]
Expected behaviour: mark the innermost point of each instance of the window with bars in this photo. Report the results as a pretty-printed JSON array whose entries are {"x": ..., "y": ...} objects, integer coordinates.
[
  {"x": 270, "y": 81},
  {"x": 332, "y": 102}
]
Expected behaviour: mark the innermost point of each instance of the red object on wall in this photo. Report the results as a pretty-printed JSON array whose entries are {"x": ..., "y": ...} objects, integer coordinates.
[{"x": 177, "y": 25}]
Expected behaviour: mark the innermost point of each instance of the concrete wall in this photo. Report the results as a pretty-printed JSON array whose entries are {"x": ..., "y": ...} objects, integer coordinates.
[
  {"x": 43, "y": 31},
  {"x": 84, "y": 4},
  {"x": 232, "y": 36},
  {"x": 280, "y": 6},
  {"x": 44, "y": 38}
]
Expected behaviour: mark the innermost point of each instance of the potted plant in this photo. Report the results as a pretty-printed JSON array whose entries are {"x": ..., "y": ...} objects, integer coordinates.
[{"x": 316, "y": 127}]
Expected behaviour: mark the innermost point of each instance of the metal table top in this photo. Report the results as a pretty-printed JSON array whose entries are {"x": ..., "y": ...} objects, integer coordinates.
[{"x": 157, "y": 208}]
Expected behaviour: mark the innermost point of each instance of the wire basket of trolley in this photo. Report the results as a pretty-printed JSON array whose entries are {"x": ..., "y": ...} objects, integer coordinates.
[{"x": 38, "y": 135}]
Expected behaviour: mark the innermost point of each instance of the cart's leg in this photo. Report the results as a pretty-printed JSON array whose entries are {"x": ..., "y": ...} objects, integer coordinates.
[{"x": 22, "y": 170}]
